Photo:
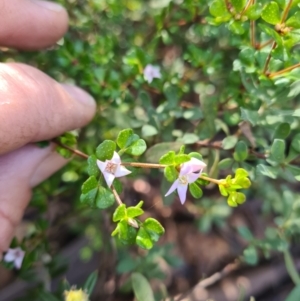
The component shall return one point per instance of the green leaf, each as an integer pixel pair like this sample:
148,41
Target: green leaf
223,190
238,4
294,21
148,130
126,233
126,138
232,200
105,150
46,296
196,155
294,170
141,288
195,190
89,184
155,152
134,212
251,116
270,13
168,158
137,148
218,8
245,233
229,142
254,11
179,159
90,283
277,153
282,131
268,171
152,224
241,173
143,239
240,198
250,255
119,213
236,27
241,151
272,33
170,173
105,198
225,163
296,143
93,169
89,197
294,294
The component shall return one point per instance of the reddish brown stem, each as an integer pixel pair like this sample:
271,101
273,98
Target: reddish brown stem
284,70
286,11
74,151
269,58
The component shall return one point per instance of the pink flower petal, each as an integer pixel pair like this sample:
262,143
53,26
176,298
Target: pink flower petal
182,190
101,165
116,158
173,187
19,260
122,171
109,178
192,177
10,255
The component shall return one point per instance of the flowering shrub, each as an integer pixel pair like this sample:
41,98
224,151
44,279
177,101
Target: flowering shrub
205,91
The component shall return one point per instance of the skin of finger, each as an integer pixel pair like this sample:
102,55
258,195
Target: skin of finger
20,170
24,24
34,107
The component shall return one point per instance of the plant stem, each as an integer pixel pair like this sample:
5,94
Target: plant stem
290,266
258,47
116,195
284,70
252,33
143,165
269,58
286,11
74,151
249,3
210,179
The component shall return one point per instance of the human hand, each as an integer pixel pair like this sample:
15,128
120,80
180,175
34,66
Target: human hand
33,107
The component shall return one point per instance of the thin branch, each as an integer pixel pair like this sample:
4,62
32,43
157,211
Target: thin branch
271,75
246,7
286,11
143,165
269,58
252,33
261,46
210,179
74,151
116,195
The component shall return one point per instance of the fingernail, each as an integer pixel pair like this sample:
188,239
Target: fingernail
80,95
49,5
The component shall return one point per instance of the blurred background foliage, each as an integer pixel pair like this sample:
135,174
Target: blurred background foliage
215,95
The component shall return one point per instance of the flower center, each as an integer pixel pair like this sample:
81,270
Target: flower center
111,167
183,180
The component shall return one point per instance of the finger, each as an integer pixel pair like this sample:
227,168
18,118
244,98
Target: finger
31,24
20,170
34,107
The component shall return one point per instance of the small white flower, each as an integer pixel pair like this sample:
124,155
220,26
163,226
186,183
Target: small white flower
112,169
16,256
189,173
151,72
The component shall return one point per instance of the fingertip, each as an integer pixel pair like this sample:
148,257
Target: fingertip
31,24
86,101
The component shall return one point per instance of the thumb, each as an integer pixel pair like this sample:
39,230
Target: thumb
34,107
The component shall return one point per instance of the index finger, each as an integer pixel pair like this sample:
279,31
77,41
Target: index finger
31,24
